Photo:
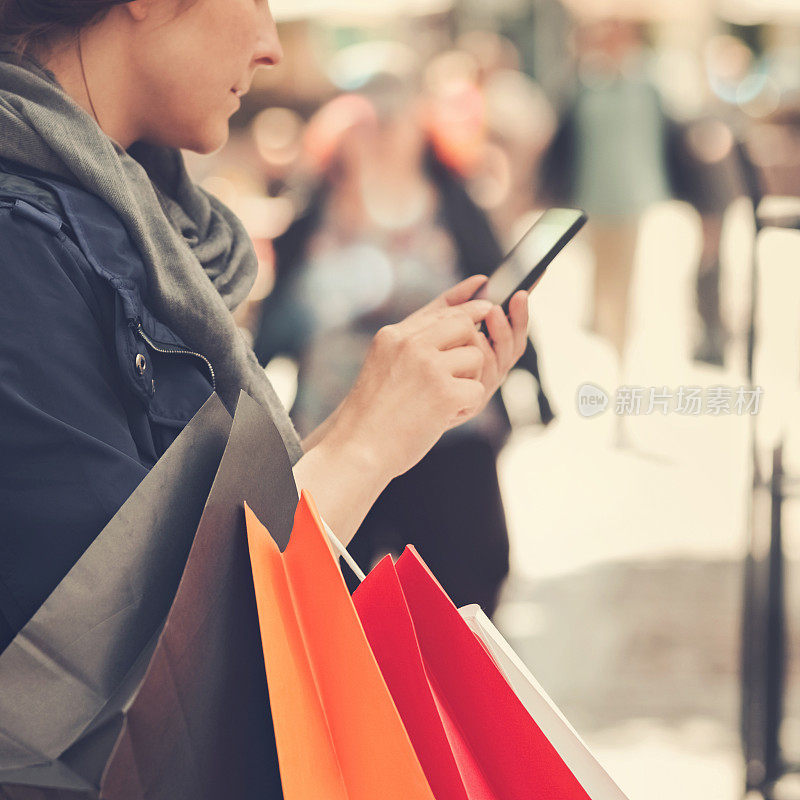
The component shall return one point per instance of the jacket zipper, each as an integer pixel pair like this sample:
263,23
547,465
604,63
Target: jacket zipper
178,351
158,348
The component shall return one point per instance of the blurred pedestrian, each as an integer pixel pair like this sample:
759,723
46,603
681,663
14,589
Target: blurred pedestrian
389,228
610,158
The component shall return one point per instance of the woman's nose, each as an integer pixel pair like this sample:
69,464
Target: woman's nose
268,50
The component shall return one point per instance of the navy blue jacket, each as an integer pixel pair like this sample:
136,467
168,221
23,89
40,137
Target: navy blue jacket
93,388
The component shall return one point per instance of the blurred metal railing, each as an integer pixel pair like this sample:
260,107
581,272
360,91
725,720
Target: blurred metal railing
764,612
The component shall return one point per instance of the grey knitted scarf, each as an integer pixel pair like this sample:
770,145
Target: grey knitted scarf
199,259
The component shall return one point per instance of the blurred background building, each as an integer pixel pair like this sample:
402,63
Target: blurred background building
654,587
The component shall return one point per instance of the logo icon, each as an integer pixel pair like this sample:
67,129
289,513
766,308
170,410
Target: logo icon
592,400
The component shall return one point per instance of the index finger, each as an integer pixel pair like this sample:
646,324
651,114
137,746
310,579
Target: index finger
460,293
476,310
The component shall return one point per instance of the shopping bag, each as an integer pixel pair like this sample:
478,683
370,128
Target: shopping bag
190,719
199,725
338,733
553,724
473,735
64,667
384,615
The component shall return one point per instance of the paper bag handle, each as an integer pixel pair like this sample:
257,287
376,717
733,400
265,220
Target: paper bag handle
341,550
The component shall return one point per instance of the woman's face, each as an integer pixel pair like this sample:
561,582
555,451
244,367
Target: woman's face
191,58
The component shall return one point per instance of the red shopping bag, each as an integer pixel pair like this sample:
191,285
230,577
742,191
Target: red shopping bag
474,738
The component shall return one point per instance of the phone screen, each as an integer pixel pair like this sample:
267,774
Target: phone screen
526,263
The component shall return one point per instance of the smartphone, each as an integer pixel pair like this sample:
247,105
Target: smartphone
526,263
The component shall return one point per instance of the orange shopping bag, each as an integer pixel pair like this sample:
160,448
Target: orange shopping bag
338,732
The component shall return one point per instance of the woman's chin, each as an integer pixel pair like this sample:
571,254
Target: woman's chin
209,140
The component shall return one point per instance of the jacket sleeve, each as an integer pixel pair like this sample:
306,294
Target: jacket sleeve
67,457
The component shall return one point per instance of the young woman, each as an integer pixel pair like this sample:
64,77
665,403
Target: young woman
117,276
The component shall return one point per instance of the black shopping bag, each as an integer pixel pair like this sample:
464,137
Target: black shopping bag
190,718
67,663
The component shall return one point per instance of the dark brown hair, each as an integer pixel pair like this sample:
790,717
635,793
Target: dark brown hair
31,22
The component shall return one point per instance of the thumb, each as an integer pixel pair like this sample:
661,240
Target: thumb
460,293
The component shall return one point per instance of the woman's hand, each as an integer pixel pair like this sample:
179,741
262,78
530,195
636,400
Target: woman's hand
422,376
431,372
